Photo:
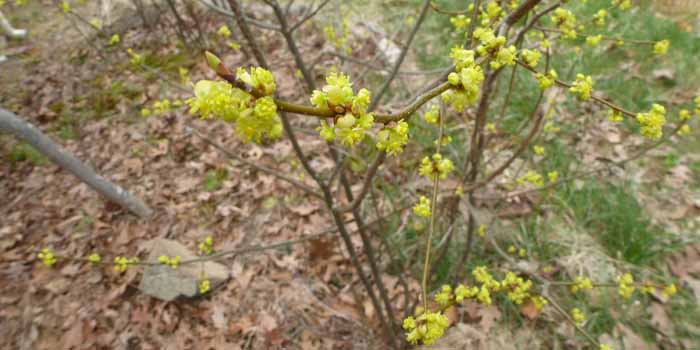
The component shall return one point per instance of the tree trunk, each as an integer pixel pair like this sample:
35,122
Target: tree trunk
26,132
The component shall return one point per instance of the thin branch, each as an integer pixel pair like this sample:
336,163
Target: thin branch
367,183
291,44
254,165
397,65
433,213
228,13
309,16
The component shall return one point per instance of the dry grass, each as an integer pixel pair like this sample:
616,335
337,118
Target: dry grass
678,7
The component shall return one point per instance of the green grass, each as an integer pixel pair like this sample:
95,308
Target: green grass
23,152
213,180
616,220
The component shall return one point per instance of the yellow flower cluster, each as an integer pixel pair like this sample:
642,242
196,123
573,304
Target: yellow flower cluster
460,22
615,116
122,263
423,207
432,116
444,297
47,257
224,31
684,115
393,137
547,80
553,176
489,42
593,40
339,41
582,86
493,13
204,286
599,17
94,258
504,57
466,80
581,283
531,177
622,4
206,246
174,262
661,47
531,57
578,316
566,21
435,167
669,291
626,285
652,122
352,120
538,301
254,118
482,230
135,59
518,287
539,150
426,328
114,40
259,78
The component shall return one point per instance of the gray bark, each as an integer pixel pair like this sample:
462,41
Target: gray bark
11,123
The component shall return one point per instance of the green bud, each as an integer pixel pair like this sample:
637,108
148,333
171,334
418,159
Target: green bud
212,60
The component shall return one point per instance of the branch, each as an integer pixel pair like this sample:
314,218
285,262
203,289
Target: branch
228,13
395,69
253,165
308,16
26,132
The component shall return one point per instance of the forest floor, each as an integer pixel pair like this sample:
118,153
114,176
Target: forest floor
86,95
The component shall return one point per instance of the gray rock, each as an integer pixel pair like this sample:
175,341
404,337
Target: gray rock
165,283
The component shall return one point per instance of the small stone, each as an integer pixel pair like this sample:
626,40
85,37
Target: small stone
165,283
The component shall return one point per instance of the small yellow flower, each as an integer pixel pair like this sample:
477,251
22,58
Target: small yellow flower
522,252
615,116
605,347
582,86
578,316
204,286
233,45
114,40
206,246
459,191
539,302
593,40
96,23
174,262
94,258
685,130
423,207
122,263
553,176
626,285
669,291
482,230
47,257
539,150
661,47
581,283
224,31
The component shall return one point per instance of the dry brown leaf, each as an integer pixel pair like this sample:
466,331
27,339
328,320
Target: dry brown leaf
529,310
